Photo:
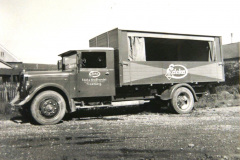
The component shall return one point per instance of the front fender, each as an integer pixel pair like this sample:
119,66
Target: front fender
41,88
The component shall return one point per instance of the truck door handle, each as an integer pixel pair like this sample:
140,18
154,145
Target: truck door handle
107,73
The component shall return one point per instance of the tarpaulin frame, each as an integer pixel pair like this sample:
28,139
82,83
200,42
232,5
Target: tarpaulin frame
167,36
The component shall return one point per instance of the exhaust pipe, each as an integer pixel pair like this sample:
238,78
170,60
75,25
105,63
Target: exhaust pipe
116,104
129,103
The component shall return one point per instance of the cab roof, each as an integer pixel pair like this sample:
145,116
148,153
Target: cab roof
91,49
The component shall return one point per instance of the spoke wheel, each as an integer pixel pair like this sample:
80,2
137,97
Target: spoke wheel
182,101
48,107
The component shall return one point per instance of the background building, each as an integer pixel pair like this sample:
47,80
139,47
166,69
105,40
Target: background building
11,66
231,59
231,51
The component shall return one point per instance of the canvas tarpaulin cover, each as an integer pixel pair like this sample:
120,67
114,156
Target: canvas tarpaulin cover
136,49
212,52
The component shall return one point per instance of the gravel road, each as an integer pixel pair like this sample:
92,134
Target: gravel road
203,134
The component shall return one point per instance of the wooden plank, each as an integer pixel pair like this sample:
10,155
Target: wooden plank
183,72
113,38
107,39
102,40
92,42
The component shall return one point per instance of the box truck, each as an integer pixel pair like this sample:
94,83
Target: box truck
125,66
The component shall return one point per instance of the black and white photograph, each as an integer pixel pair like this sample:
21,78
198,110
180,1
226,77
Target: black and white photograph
119,80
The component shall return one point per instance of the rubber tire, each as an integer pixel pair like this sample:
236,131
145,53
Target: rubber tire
34,109
174,101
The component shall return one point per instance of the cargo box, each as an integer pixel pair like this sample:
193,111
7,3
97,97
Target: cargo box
144,57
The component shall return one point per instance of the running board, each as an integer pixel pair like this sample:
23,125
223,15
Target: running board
114,104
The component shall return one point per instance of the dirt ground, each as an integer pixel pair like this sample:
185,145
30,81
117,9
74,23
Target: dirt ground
203,134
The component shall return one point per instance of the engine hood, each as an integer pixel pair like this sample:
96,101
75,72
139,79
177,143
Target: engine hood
47,73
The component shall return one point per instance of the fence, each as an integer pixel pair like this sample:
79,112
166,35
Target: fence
7,91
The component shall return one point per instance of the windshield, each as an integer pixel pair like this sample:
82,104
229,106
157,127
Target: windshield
69,62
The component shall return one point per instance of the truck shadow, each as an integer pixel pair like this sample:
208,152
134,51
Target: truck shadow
97,113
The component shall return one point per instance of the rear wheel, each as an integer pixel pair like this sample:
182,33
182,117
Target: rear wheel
182,101
48,107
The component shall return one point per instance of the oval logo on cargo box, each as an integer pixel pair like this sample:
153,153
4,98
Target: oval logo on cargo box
176,72
94,74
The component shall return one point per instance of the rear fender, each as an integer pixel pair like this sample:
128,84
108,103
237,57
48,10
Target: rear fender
168,94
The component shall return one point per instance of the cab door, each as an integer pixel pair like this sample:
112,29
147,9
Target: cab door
96,77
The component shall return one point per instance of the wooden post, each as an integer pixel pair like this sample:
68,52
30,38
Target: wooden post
11,79
5,94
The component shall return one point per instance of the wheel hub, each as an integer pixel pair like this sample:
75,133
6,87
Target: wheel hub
183,101
49,108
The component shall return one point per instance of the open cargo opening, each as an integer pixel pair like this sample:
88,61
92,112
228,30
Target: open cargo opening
164,49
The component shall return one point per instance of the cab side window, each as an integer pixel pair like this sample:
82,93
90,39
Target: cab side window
94,60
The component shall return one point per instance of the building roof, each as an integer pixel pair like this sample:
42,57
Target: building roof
7,56
5,65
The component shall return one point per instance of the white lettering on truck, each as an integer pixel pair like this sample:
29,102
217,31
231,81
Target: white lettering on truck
94,74
176,72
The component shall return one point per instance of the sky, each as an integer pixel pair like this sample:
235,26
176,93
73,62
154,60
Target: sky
37,31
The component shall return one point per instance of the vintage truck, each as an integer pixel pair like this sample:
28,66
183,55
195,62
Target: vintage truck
125,65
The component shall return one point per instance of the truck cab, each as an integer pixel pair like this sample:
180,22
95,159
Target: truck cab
83,74
94,74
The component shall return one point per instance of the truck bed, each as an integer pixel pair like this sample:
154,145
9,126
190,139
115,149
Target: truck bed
162,58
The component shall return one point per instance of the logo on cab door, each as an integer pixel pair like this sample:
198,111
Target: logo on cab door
176,72
94,74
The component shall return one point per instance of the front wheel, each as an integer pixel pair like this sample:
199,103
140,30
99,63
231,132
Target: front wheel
48,107
182,101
